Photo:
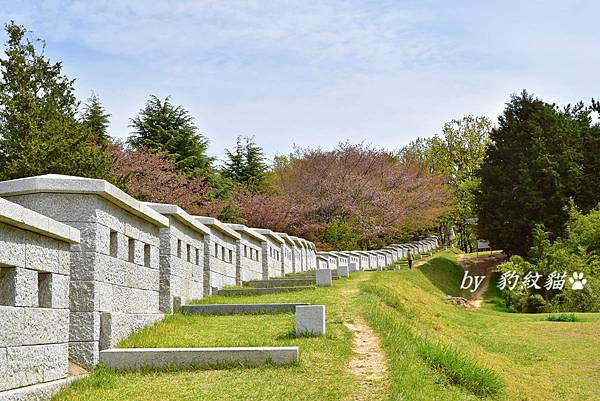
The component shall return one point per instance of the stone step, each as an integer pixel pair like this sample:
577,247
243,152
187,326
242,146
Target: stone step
239,309
310,274
282,282
260,291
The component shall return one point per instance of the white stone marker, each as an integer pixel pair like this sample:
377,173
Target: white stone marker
343,271
353,266
310,319
323,277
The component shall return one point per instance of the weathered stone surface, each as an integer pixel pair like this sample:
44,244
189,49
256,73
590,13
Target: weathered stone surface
157,358
310,320
26,287
34,364
116,326
55,293
343,271
85,353
12,243
45,326
83,296
257,291
36,392
323,277
84,326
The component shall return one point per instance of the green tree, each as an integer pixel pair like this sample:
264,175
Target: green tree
457,155
170,129
234,165
255,164
530,170
245,165
39,131
96,118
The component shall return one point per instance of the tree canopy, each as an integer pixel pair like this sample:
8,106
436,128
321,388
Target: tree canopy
39,129
164,127
96,118
245,165
536,162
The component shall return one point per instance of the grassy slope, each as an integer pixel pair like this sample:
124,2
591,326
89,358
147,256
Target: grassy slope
536,359
436,351
321,374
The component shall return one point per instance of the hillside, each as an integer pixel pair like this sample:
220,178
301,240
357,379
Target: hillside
435,350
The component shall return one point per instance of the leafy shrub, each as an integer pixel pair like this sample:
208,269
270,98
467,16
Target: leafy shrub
563,317
577,251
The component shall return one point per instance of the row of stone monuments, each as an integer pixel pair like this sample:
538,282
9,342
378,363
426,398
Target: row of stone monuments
83,264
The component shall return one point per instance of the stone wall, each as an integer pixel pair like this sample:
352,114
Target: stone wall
34,297
82,265
221,248
271,254
114,286
181,257
249,261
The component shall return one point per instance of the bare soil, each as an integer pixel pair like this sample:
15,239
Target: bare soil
369,364
483,265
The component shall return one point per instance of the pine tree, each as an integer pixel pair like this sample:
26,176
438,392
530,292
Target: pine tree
255,167
170,129
531,169
245,165
235,164
96,118
39,131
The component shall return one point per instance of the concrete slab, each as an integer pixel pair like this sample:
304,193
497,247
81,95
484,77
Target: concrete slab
310,320
323,277
235,309
128,359
259,291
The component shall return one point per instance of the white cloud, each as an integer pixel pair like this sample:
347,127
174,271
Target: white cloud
319,72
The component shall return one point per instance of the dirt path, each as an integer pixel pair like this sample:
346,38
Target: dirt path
480,266
369,364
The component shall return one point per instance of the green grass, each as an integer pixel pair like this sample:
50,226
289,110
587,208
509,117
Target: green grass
439,351
435,350
563,317
322,373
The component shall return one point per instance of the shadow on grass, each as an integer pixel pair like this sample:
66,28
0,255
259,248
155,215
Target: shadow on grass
493,296
445,274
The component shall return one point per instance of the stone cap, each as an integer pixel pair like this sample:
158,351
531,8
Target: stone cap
297,240
287,239
269,233
26,219
213,223
66,184
338,254
180,215
305,243
240,228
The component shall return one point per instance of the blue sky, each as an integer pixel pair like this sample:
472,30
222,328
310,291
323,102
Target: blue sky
314,73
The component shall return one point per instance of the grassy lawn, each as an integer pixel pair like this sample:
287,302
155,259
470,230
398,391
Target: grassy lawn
321,374
443,352
435,350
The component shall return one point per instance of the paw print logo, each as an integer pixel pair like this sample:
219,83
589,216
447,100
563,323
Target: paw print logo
577,281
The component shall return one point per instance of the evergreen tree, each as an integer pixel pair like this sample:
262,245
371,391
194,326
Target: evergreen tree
245,165
531,169
39,131
170,129
235,164
255,164
96,118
